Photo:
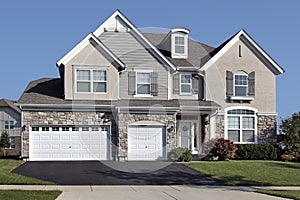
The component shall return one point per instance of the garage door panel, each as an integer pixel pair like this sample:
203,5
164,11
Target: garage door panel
69,145
146,143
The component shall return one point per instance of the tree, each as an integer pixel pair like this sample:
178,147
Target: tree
290,134
4,141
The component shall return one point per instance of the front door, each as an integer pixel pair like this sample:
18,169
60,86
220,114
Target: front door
186,135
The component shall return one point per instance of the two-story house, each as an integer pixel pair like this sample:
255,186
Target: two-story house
122,92
10,122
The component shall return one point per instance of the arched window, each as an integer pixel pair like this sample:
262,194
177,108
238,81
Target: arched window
241,125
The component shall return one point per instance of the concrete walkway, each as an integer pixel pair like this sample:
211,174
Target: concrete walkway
153,192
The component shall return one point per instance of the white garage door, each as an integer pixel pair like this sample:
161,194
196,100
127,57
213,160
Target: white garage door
146,143
69,143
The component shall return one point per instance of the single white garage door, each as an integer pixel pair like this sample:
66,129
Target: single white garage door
69,143
146,143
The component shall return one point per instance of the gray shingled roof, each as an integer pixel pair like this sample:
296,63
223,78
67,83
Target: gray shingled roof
9,103
50,91
196,51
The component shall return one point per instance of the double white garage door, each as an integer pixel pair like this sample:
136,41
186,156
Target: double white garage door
69,143
93,143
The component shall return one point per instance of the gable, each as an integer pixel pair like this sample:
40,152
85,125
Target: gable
117,22
251,44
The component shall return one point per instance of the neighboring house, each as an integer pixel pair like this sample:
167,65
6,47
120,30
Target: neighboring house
10,121
139,95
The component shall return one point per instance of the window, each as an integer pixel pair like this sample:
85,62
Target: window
12,143
179,44
185,83
8,125
143,83
55,128
85,128
91,81
240,85
75,128
65,128
45,128
95,129
241,125
35,128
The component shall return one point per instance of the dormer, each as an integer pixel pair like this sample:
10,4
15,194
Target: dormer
179,43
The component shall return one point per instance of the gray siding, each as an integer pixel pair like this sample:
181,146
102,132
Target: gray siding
136,57
9,114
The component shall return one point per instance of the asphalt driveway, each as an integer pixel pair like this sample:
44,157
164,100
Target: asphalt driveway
113,173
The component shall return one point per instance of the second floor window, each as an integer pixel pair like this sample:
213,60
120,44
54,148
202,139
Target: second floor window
185,83
91,81
143,83
9,125
240,85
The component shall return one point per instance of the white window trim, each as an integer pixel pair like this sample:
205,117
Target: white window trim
191,84
255,123
179,55
136,83
91,81
241,97
9,124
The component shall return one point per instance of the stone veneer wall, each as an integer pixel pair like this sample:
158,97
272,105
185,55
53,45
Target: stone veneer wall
66,118
220,126
124,120
267,128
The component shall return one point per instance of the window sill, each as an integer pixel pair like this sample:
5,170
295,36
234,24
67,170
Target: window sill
242,98
144,95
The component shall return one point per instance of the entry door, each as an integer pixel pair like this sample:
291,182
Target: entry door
186,135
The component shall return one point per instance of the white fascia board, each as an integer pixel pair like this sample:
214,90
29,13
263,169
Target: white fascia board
108,51
231,43
82,44
54,107
100,30
277,67
220,53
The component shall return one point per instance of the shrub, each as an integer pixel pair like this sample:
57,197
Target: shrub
287,157
219,149
180,154
257,152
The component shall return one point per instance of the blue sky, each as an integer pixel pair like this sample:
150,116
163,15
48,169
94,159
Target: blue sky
35,34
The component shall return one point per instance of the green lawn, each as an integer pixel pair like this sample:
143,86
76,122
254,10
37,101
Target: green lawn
29,194
247,173
8,178
291,194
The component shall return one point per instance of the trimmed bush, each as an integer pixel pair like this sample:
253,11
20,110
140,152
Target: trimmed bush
180,154
257,152
224,149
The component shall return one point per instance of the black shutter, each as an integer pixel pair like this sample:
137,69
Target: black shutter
201,88
229,83
195,85
176,83
154,89
251,84
131,83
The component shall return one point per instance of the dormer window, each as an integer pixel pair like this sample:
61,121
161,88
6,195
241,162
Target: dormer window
179,43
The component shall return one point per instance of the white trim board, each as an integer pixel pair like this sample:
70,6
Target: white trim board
242,35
